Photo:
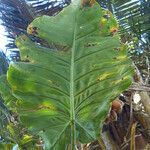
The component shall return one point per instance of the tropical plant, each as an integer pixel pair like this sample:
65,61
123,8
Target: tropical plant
65,90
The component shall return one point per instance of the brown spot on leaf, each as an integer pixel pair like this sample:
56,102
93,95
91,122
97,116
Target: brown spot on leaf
113,30
106,16
90,44
114,58
88,3
92,2
32,30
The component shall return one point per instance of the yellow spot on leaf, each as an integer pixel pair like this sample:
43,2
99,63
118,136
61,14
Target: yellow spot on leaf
18,43
49,81
103,21
14,87
119,80
29,29
122,57
48,106
116,82
32,30
104,76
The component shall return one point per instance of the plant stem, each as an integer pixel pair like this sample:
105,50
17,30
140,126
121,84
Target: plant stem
133,131
73,136
101,143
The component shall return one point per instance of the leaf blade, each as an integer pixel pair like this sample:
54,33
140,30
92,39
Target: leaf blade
66,95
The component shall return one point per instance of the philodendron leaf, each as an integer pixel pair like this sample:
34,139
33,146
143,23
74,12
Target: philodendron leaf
66,90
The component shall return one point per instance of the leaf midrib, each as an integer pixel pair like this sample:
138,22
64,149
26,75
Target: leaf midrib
72,107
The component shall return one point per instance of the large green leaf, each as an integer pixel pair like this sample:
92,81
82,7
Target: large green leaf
66,89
